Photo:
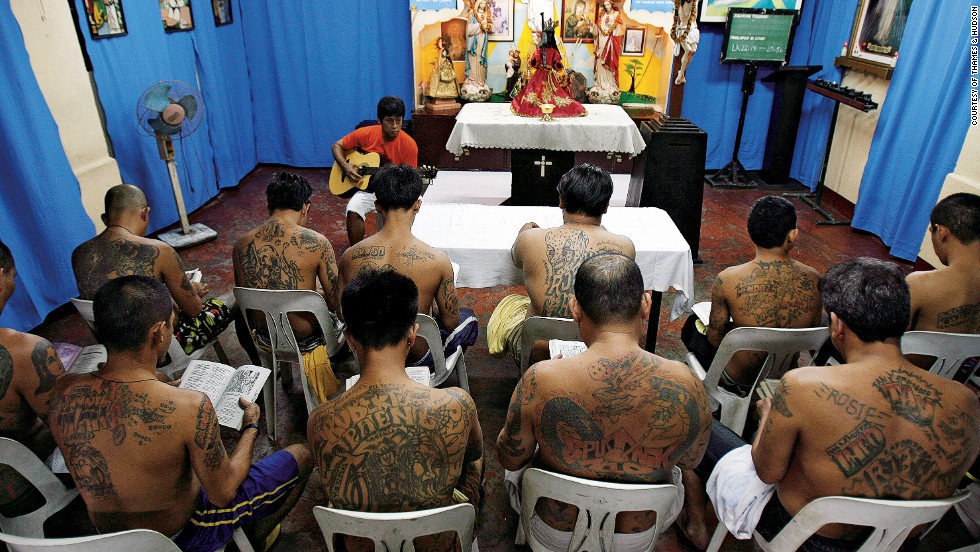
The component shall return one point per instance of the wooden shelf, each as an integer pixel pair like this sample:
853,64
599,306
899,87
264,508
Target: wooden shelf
880,71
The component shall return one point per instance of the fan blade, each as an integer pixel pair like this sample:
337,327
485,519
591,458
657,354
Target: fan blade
189,103
156,98
163,128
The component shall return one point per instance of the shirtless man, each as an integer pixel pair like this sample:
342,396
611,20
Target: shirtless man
770,291
549,258
282,253
386,139
146,454
29,368
398,188
372,443
121,250
614,412
948,299
875,427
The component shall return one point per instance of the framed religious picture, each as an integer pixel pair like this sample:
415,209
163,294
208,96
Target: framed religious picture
222,12
878,29
105,18
502,12
454,38
716,11
176,15
633,41
577,20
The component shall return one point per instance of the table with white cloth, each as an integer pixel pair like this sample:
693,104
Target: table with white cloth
542,151
479,239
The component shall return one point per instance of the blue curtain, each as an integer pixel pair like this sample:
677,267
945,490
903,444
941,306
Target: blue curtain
927,111
713,94
221,151
319,68
41,214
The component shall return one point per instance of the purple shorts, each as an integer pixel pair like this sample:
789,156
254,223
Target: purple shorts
261,494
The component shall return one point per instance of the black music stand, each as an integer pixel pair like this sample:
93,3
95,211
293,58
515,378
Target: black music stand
728,176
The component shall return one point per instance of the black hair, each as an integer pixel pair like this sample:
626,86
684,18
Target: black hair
770,221
288,191
961,214
586,189
380,306
126,308
6,258
123,198
870,295
391,106
609,288
397,187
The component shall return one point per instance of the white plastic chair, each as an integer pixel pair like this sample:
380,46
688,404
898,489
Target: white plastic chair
143,540
544,328
444,366
276,306
30,467
178,358
598,503
892,521
396,531
950,349
781,345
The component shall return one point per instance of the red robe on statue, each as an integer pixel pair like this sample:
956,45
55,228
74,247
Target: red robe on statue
548,84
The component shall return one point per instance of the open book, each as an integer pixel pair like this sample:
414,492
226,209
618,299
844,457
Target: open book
194,276
80,360
418,374
767,388
223,385
564,349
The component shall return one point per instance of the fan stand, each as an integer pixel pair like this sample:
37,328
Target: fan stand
188,234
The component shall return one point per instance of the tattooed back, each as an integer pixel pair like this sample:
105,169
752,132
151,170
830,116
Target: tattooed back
29,368
615,415
550,257
946,300
871,429
126,446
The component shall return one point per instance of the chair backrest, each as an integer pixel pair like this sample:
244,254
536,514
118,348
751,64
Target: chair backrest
143,540
950,349
429,331
892,520
545,327
178,358
396,531
598,503
781,346
30,467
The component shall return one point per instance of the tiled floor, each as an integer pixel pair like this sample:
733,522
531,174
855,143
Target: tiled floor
234,211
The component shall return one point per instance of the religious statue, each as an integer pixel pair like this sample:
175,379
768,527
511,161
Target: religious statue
609,31
548,84
443,87
685,34
512,70
478,28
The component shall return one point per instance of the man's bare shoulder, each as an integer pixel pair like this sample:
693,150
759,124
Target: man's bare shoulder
415,253
19,342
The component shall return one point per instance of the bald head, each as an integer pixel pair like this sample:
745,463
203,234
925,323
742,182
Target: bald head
122,200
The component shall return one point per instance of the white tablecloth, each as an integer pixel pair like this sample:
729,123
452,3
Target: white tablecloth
492,125
479,238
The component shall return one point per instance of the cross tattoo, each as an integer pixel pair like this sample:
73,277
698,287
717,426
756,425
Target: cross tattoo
542,164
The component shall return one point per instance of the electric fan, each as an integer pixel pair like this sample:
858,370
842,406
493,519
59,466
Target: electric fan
171,110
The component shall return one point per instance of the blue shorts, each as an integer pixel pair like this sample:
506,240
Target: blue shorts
261,494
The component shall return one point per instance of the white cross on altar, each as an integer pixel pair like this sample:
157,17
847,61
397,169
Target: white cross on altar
542,164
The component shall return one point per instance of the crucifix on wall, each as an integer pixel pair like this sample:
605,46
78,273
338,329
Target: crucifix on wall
542,163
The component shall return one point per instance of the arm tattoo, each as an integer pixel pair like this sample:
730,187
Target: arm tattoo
207,437
513,445
448,291
6,370
46,365
779,399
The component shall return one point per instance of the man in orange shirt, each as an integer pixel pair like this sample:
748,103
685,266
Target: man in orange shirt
385,139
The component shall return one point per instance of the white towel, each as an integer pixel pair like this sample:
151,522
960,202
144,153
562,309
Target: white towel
737,493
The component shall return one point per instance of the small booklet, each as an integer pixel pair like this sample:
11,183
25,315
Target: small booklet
767,388
223,385
418,374
565,348
194,276
703,311
80,360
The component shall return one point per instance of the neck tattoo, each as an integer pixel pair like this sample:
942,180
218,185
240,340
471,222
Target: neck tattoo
107,380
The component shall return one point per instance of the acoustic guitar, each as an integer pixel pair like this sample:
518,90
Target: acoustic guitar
367,165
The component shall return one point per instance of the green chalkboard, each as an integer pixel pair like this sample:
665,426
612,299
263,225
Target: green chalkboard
758,35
